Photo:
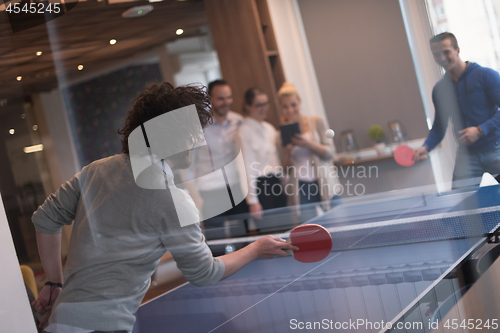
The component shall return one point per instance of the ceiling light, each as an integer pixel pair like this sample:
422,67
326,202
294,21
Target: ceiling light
137,11
19,78
155,0
80,67
23,116
35,127
39,53
179,31
11,131
32,149
112,41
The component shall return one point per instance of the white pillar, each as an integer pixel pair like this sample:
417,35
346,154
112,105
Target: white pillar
57,121
15,311
60,144
419,32
295,55
169,65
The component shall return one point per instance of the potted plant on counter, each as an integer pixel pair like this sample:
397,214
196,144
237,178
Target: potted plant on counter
376,133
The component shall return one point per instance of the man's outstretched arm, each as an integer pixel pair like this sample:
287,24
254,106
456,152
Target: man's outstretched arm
266,247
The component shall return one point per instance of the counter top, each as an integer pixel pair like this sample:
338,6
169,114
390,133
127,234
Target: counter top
369,155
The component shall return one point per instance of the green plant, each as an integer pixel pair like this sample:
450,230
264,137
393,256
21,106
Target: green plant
376,133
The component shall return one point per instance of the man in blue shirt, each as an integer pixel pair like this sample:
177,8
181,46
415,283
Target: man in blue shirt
469,95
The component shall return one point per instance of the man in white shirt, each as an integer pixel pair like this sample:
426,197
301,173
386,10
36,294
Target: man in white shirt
206,191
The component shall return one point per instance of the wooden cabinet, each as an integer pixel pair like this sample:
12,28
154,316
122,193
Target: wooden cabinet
244,38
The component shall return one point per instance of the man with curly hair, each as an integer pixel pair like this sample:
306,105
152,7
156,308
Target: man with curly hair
121,231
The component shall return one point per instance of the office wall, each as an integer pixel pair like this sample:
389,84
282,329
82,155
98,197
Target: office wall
97,109
364,66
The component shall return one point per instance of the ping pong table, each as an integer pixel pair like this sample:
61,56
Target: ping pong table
397,258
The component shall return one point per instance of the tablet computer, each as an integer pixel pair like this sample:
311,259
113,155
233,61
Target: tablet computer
288,131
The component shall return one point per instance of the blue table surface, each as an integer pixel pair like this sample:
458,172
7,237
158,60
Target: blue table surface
372,273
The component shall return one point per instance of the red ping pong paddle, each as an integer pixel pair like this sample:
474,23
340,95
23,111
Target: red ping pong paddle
314,242
403,155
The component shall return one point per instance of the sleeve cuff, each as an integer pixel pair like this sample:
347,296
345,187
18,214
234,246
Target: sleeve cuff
484,129
43,230
252,200
428,146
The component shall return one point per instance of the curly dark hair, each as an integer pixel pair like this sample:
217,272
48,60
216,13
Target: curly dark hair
157,99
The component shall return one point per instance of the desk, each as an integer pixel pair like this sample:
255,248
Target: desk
395,259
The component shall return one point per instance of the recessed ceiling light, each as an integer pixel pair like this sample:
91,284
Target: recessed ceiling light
23,116
39,53
179,31
11,131
112,41
19,78
137,11
80,67
35,127
32,149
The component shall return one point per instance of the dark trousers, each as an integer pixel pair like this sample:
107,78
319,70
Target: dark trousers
271,195
309,193
270,192
214,227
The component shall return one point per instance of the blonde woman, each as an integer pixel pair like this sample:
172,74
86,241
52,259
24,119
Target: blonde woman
308,158
257,139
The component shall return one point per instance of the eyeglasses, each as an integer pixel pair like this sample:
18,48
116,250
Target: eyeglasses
261,105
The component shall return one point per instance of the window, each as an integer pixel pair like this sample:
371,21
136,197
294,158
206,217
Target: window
475,23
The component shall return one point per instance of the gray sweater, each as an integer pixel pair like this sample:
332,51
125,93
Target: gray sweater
120,232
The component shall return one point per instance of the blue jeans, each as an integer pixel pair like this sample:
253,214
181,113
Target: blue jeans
470,166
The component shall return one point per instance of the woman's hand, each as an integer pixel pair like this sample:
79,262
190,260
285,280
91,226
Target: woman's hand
301,141
317,148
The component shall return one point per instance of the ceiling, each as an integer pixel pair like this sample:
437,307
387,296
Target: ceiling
81,37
